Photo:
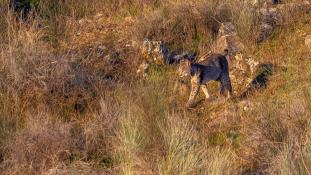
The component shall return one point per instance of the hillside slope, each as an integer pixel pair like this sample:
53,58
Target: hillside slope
72,103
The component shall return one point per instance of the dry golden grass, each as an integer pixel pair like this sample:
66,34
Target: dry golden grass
186,153
193,25
70,103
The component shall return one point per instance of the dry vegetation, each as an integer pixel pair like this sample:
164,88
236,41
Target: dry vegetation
70,102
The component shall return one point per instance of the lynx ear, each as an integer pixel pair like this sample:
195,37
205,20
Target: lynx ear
226,52
192,57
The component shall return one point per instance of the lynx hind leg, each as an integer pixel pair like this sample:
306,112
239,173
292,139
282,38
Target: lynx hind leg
230,93
226,87
226,91
205,91
195,87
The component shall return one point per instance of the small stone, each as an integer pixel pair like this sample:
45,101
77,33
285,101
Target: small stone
129,19
98,15
102,48
245,108
308,41
81,21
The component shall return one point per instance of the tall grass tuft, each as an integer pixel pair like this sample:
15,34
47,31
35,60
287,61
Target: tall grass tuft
186,153
130,142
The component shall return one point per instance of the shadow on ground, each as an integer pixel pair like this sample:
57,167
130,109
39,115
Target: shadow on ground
260,81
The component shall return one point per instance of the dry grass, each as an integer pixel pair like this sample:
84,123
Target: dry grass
38,147
131,143
70,104
194,23
46,144
292,159
185,152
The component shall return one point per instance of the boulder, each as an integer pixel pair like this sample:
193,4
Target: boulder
241,66
271,17
227,38
270,20
151,51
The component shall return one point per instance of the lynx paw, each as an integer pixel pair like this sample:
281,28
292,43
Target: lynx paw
190,104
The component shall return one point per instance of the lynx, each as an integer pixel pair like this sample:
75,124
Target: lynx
215,67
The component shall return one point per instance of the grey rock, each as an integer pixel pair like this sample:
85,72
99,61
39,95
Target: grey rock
241,66
271,18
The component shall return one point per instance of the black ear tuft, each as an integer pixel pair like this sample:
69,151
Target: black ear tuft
192,57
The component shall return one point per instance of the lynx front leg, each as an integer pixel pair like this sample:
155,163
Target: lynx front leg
195,87
205,91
